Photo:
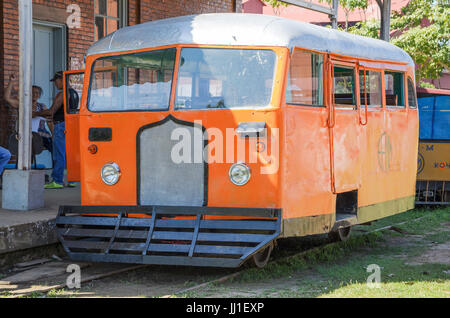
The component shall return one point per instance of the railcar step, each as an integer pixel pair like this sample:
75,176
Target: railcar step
345,220
164,239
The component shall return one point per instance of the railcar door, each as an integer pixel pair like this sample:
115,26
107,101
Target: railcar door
345,124
72,87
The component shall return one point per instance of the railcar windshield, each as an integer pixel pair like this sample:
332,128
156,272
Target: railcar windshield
224,78
132,82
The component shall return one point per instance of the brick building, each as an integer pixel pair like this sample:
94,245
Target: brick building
64,29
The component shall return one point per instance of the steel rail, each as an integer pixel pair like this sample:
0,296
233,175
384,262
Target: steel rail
205,284
238,273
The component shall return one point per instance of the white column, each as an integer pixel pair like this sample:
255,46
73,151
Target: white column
25,83
23,189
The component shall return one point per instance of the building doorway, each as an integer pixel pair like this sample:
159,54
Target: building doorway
49,56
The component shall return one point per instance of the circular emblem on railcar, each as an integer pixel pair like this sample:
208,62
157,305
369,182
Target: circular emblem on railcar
384,152
420,163
260,146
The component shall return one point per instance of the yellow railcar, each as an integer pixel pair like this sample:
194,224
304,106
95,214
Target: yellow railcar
433,171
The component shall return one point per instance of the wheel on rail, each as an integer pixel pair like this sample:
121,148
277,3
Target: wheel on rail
341,234
261,258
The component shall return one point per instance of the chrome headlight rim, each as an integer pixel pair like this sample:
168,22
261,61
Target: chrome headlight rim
240,165
116,173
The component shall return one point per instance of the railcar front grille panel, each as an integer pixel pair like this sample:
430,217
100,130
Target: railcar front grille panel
171,169
166,237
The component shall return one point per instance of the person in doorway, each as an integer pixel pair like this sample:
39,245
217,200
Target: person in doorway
56,112
37,122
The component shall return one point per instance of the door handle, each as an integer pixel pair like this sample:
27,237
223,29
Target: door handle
251,129
331,114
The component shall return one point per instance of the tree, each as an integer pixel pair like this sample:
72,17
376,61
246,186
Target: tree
275,3
369,28
422,29
349,6
385,14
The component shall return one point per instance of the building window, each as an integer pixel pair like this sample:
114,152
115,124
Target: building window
305,82
393,90
109,16
373,88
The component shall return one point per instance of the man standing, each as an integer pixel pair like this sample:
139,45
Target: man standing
56,111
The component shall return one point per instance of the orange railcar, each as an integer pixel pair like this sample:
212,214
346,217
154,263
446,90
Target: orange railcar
200,140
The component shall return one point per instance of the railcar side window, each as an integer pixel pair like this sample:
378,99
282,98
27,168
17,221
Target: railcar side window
305,80
393,89
224,78
373,88
344,85
132,82
412,100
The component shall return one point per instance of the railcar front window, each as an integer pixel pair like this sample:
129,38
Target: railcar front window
135,82
224,78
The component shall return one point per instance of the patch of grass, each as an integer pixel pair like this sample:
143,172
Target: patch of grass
411,289
56,292
5,294
440,237
391,269
341,269
327,253
34,294
430,218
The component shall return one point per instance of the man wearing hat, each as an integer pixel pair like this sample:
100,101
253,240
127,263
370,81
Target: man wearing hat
56,111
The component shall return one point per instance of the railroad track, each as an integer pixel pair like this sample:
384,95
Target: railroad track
283,259
27,281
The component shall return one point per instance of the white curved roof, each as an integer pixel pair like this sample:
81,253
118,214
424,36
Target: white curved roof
246,29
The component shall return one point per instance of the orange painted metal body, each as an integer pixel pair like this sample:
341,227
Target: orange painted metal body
322,150
73,133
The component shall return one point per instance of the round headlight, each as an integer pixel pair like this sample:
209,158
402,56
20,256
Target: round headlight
110,173
239,173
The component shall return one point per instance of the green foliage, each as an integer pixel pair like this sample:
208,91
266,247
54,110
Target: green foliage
369,28
275,3
426,85
349,6
422,29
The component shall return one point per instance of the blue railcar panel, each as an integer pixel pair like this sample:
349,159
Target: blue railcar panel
426,110
434,117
